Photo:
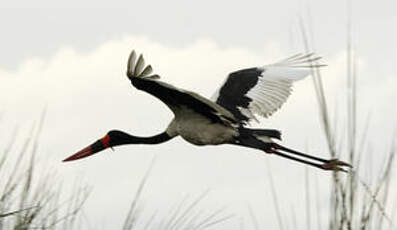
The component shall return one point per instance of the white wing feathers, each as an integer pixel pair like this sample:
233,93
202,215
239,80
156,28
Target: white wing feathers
293,68
265,89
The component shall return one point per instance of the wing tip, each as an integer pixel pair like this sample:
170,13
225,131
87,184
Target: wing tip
301,60
136,67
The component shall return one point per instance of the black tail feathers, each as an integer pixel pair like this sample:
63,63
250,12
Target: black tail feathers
272,133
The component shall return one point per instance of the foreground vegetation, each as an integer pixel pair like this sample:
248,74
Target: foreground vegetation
355,203
31,198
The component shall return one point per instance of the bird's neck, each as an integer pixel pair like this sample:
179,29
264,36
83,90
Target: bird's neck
130,139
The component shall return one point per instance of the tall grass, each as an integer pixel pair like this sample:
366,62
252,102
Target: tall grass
355,203
30,197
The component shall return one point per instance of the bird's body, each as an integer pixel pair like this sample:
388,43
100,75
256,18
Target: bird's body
198,130
222,119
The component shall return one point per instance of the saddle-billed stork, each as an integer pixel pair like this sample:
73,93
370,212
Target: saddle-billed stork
223,118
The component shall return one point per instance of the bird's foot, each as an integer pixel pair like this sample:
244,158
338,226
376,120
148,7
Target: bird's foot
336,165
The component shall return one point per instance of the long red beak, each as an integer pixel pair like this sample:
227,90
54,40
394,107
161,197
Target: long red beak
81,154
97,146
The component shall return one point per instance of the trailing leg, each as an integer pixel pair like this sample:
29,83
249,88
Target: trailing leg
332,164
274,148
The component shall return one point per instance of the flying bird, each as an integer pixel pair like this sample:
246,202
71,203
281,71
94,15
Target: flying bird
223,118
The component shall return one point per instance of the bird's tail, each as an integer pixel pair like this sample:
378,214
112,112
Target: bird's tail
136,68
272,133
262,134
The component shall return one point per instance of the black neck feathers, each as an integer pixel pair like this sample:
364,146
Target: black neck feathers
121,138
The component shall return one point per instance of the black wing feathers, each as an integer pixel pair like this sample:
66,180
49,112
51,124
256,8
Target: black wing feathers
176,98
232,93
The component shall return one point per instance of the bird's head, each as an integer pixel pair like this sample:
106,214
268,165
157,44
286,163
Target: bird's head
112,138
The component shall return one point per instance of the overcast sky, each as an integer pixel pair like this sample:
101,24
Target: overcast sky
72,58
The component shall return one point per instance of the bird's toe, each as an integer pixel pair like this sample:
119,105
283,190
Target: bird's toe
336,165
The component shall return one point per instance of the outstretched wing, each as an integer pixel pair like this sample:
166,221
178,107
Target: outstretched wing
176,99
262,90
